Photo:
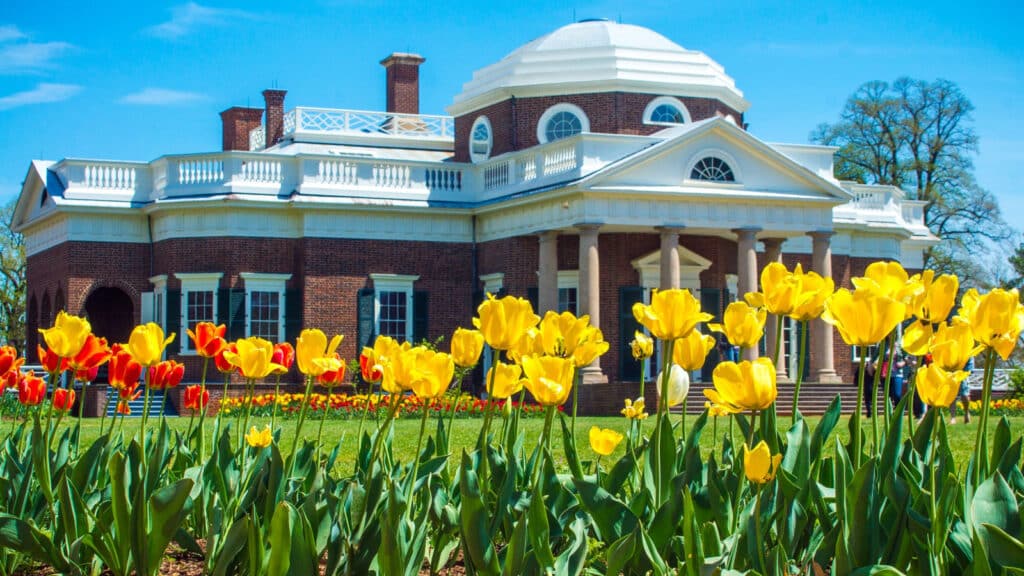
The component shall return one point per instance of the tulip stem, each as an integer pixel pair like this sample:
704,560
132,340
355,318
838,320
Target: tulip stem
757,528
597,471
202,414
874,403
273,409
576,379
362,418
220,409
416,458
778,338
855,430
49,411
323,418
802,355
302,418
250,388
543,444
663,418
460,373
81,410
887,413
980,445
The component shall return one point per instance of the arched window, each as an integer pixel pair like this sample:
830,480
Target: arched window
561,121
712,169
480,139
666,110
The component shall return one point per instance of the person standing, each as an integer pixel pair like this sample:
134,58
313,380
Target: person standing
898,378
963,396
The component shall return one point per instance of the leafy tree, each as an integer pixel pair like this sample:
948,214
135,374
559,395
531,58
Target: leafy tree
917,135
12,282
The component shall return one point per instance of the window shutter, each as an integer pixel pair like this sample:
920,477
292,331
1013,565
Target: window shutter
365,326
629,368
292,315
533,295
236,314
224,307
711,301
420,310
173,307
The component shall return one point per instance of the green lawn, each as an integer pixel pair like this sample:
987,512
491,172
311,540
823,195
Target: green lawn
464,433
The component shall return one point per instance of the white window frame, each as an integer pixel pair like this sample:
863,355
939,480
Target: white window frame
670,101
195,282
542,124
394,283
721,155
265,282
476,156
855,350
157,310
569,279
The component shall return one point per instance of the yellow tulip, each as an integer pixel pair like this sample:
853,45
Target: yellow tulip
253,358
635,409
742,324
398,370
549,379
506,380
778,290
936,298
529,344
431,373
812,291
259,438
953,345
917,338
938,387
312,344
691,352
466,347
863,317
888,278
503,322
759,464
146,343
744,386
641,346
996,318
561,333
671,314
590,347
714,410
604,441
67,336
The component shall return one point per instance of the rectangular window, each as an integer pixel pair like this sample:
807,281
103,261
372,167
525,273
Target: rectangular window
265,315
567,300
198,308
394,314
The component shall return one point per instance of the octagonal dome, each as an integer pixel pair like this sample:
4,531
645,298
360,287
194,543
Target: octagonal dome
599,56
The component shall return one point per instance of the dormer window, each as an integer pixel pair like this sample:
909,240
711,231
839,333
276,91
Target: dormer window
666,110
712,169
480,139
561,121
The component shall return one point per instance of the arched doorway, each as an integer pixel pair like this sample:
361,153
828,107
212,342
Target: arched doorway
111,313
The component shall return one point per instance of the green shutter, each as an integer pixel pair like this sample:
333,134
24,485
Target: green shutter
711,301
420,311
629,368
292,315
224,306
172,307
236,317
365,326
533,295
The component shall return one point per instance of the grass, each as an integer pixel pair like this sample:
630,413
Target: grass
464,434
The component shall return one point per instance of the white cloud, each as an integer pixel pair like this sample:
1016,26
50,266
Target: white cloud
160,97
10,32
42,93
187,17
30,56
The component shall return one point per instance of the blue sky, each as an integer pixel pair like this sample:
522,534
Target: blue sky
135,80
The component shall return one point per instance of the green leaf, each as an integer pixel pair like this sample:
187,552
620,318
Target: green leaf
572,457
474,521
572,559
167,510
19,535
538,531
612,518
995,504
281,541
824,428
876,570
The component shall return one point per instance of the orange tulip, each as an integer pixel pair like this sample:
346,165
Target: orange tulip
284,355
123,371
31,389
87,375
94,353
166,374
50,361
196,398
9,361
208,339
334,373
369,368
123,408
222,363
63,399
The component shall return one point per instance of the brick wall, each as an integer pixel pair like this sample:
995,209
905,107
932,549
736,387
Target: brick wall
236,123
402,88
514,121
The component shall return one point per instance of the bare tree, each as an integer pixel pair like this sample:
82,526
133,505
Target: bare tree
917,135
12,282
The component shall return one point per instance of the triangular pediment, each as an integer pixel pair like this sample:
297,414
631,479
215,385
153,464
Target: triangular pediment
757,169
36,197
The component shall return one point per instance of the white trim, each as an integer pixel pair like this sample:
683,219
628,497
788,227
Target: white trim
691,265
195,282
721,155
671,101
493,283
732,282
474,156
394,283
265,282
542,124
158,310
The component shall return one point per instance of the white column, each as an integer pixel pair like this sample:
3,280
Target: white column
773,253
547,286
669,257
746,271
589,292
821,334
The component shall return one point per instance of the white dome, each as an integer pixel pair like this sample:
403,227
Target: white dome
599,56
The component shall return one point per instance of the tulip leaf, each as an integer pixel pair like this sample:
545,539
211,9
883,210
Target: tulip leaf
474,522
16,534
280,536
1004,549
572,457
995,504
572,559
612,518
797,457
620,552
876,570
1010,461
538,530
824,428
167,510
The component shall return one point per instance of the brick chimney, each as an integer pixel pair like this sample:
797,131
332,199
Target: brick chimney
403,82
236,123
274,100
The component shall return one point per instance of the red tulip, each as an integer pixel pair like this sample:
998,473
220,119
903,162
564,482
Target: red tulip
87,375
50,361
124,372
284,355
124,408
222,363
63,399
166,374
208,339
9,361
31,389
196,398
93,354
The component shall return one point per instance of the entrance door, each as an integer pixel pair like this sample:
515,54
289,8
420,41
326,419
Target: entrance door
111,313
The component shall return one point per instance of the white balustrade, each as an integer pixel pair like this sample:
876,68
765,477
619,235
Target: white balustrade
560,159
203,170
109,176
337,172
391,175
443,179
323,121
260,171
257,138
496,175
871,200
